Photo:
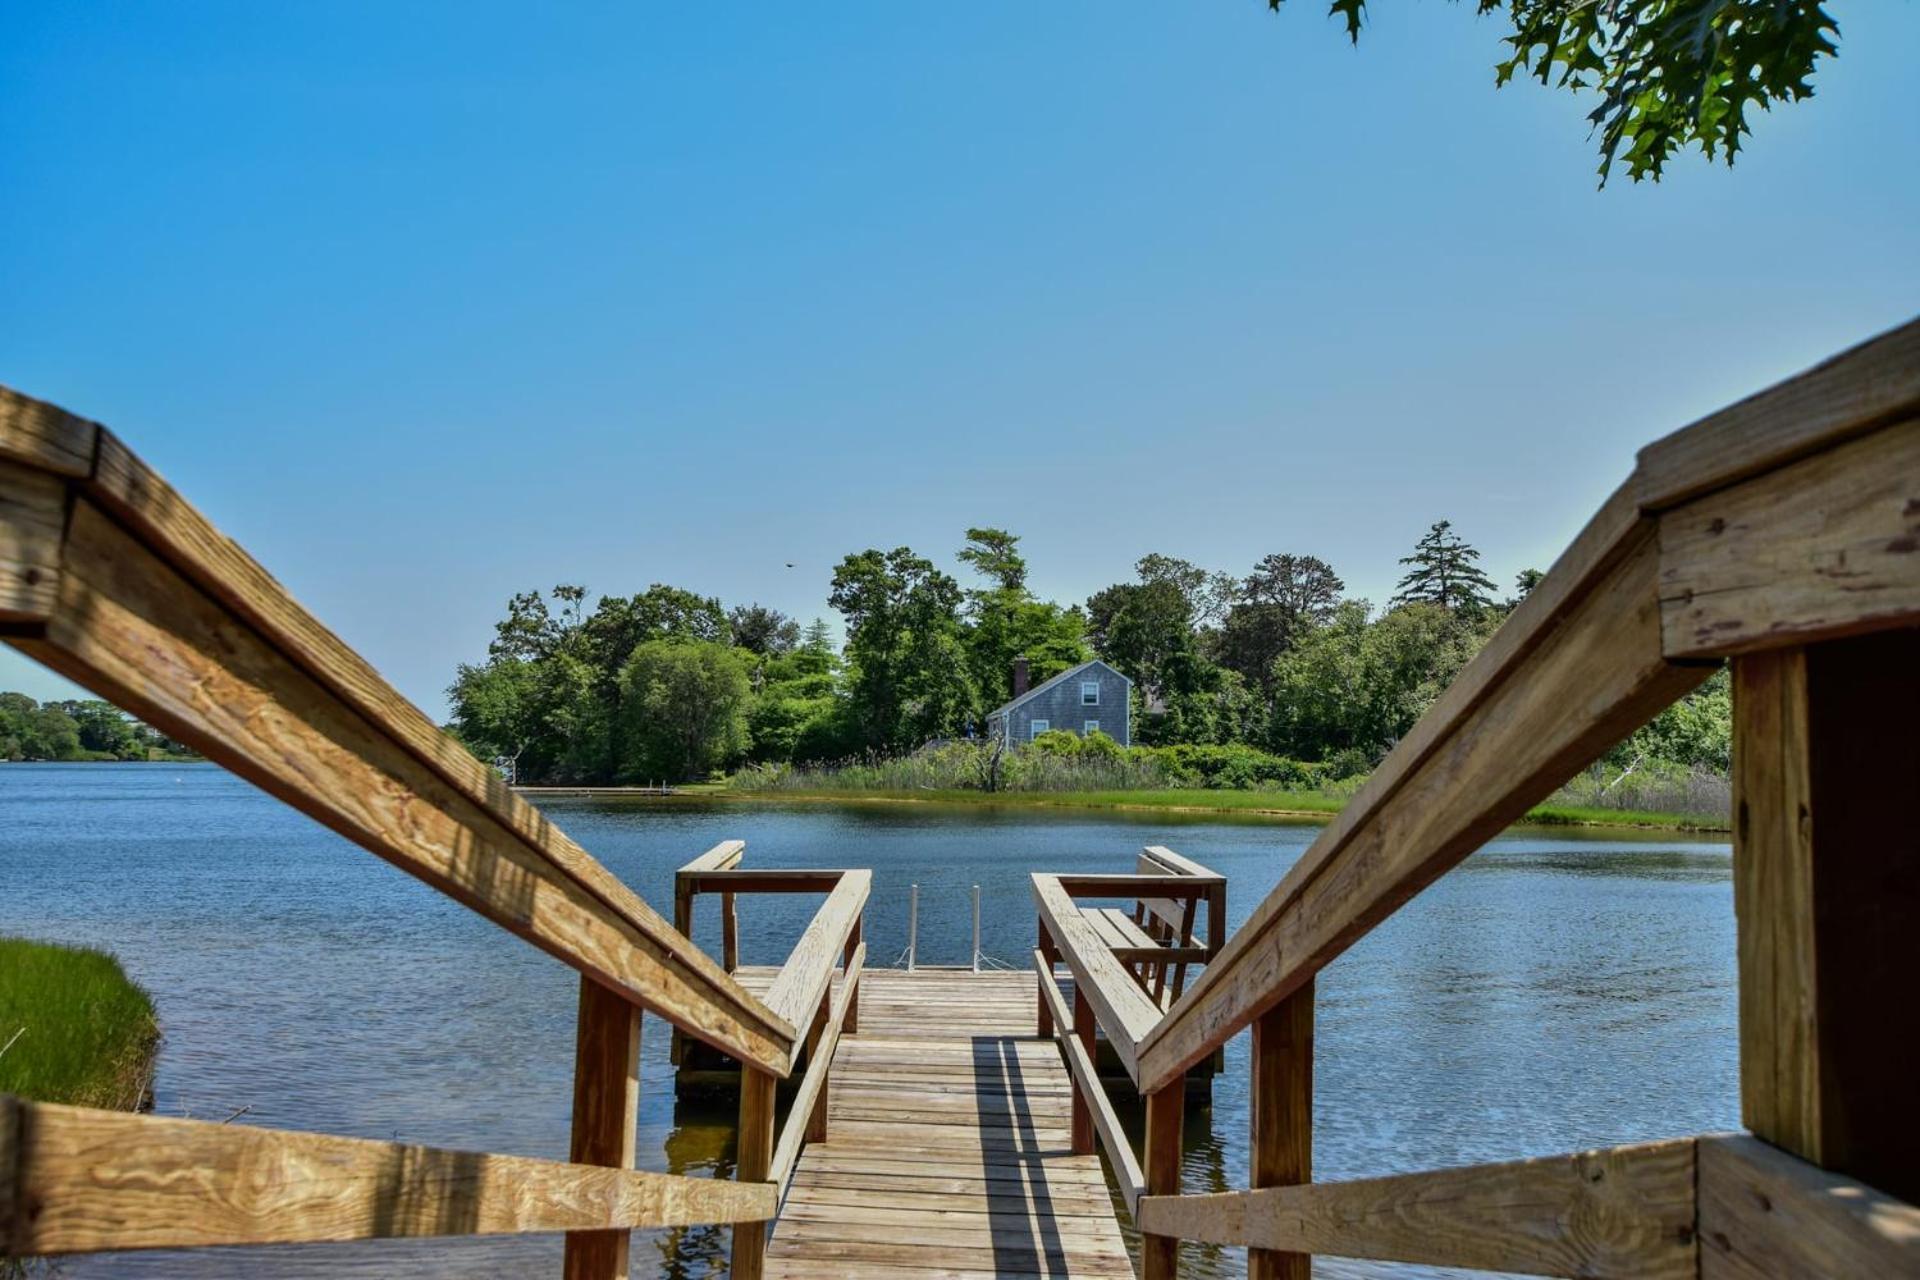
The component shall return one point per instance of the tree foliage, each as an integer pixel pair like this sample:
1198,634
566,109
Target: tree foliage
1443,572
1669,74
77,729
685,703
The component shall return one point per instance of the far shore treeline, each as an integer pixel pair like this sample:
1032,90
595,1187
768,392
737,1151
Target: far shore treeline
1272,678
79,729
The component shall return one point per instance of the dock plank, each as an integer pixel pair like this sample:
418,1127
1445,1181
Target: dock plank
949,1151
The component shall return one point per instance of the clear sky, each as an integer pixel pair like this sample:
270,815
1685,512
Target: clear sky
430,304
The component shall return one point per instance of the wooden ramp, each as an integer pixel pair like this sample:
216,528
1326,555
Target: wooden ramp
948,1151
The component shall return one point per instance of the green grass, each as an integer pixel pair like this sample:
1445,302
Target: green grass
81,1031
1273,803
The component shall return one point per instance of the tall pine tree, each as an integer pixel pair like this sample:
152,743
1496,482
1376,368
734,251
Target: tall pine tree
1443,573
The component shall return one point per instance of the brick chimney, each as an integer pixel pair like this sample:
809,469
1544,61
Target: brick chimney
1019,675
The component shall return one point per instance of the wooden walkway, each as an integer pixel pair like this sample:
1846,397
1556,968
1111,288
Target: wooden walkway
948,1151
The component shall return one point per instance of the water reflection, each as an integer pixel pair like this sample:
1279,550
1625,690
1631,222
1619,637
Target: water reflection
1561,989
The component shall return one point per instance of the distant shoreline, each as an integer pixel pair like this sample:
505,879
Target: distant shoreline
1280,806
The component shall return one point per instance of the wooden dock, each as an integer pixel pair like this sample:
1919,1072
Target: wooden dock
949,1149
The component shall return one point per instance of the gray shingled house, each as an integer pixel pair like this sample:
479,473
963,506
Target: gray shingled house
1082,699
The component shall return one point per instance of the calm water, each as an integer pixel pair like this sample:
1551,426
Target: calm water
1553,992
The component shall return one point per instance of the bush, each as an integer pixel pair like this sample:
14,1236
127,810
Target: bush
1235,768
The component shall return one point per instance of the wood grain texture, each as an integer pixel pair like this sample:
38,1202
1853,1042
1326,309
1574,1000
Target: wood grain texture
606,1113
1773,900
1280,1153
170,527
803,979
1826,547
1765,1215
1852,393
1586,681
1088,1089
1125,1012
33,518
753,1163
1826,891
949,1148
1160,1247
1618,1212
92,1180
130,628
812,1098
45,436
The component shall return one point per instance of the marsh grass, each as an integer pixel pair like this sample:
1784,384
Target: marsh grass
81,1031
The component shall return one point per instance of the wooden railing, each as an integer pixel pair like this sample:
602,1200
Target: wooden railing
1782,534
111,578
802,993
1120,975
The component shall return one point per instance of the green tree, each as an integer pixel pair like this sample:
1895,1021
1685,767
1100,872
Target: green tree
686,708
105,729
1359,684
1281,600
1005,621
1669,73
1443,572
797,713
762,630
908,677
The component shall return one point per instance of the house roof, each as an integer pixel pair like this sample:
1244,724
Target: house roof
1044,685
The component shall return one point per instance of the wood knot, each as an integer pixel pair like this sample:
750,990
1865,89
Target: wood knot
1717,525
31,577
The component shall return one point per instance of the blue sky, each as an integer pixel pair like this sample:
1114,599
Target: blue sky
430,304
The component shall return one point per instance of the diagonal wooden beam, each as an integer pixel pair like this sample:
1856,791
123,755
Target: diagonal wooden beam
1625,1212
88,1180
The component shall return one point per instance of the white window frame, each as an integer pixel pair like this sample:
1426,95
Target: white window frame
1092,726
1089,687
1037,727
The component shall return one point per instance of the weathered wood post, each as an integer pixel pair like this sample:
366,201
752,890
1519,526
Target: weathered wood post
729,933
817,1118
1045,947
606,1105
1166,1109
1282,1145
754,1162
1827,893
851,1025
1083,1030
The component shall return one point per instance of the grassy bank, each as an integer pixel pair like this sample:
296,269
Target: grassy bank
1277,804
73,1026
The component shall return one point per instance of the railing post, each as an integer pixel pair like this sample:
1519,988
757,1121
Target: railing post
1046,949
753,1165
976,928
913,924
1282,1141
852,1024
606,1103
683,923
817,1118
1826,895
1083,1031
1166,1109
729,933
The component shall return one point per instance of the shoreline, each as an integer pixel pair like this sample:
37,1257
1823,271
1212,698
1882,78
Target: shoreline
1235,803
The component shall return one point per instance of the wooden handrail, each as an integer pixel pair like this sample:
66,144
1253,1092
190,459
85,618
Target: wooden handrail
813,1082
1720,1204
1086,1081
108,576
1124,1011
1607,639
81,1180
803,980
